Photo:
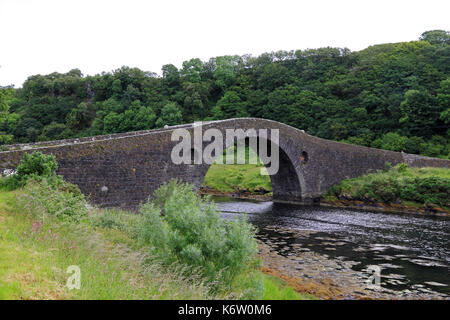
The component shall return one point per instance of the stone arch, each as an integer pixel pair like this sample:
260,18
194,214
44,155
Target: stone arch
287,183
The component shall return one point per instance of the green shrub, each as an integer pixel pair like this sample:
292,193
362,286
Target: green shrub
38,164
33,166
402,167
191,231
384,189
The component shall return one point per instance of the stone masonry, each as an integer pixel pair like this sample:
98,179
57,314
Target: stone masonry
122,170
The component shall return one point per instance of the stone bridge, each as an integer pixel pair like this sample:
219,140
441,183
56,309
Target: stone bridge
122,170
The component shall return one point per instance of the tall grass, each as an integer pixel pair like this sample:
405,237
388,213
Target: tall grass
188,252
110,268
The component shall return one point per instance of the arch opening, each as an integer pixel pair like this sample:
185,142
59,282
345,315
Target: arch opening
246,178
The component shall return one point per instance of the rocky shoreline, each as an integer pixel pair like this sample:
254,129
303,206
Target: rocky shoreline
263,195
338,203
429,210
326,278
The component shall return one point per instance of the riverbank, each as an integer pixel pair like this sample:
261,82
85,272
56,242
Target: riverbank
339,204
398,208
37,250
177,247
237,194
399,189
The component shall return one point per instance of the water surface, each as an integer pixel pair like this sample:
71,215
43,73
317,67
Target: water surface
411,250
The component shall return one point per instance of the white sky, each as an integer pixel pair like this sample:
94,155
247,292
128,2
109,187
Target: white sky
43,36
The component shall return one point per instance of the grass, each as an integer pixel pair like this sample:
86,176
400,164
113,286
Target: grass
37,249
278,289
413,187
33,265
235,177
24,270
231,178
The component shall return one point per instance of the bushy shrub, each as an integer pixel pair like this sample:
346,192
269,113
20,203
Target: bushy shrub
183,227
38,164
33,166
402,167
384,189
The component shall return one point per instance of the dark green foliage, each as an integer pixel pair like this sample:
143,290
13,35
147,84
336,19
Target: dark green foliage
430,190
35,166
390,96
170,115
37,163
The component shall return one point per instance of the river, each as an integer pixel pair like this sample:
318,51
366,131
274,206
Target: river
408,254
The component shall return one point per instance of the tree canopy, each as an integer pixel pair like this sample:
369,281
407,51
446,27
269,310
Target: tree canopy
394,96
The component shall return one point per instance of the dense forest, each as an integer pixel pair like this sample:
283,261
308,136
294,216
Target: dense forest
390,96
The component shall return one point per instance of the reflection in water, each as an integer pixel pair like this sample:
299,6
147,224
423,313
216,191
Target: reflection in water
412,250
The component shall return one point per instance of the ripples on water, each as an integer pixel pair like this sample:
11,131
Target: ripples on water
412,250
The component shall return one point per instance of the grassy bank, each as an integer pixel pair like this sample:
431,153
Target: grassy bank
177,247
399,187
233,178
37,249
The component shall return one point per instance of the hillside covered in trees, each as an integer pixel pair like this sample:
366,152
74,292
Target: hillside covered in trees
390,96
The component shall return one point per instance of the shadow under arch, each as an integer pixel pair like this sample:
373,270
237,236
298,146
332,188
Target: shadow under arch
286,184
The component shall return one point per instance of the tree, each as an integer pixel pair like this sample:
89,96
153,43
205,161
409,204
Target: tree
53,131
171,78
144,119
196,100
418,111
137,117
191,70
225,74
230,106
436,37
7,120
78,118
443,99
111,123
170,115
391,141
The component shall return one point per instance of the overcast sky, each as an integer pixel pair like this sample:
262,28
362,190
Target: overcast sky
43,36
